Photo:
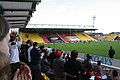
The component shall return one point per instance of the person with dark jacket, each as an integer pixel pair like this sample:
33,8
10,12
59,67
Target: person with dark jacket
51,58
111,52
73,68
45,68
67,57
26,50
35,62
22,52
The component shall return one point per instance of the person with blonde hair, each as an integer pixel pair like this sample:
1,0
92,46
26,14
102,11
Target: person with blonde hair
4,66
4,35
4,52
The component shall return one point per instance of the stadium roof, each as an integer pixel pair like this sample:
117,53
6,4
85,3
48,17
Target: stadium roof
18,12
53,30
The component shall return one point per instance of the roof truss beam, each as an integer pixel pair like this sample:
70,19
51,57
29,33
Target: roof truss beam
17,15
17,23
17,20
23,0
19,10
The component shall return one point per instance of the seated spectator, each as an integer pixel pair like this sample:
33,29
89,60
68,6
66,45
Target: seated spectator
63,55
115,75
67,57
88,67
49,49
98,71
51,58
46,69
74,68
58,66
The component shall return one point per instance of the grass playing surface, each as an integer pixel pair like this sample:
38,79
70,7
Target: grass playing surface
95,48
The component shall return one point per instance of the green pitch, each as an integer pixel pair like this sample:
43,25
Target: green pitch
95,48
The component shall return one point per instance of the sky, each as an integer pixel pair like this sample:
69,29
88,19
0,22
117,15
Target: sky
79,12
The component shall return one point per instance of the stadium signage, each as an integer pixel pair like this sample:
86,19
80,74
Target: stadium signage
107,61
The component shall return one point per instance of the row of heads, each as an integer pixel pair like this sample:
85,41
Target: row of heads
58,53
74,53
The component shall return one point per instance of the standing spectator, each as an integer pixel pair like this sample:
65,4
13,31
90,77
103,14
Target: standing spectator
35,62
29,50
26,50
74,68
22,52
111,52
58,66
14,54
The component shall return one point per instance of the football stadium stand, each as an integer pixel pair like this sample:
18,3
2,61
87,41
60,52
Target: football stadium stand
55,35
46,40
24,36
33,36
110,37
91,38
55,39
58,37
45,35
64,37
73,38
81,37
117,38
84,37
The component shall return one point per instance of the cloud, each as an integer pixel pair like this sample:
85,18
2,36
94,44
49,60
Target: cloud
48,0
79,12
62,9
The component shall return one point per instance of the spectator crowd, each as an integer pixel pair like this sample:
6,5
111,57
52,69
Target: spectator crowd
30,61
